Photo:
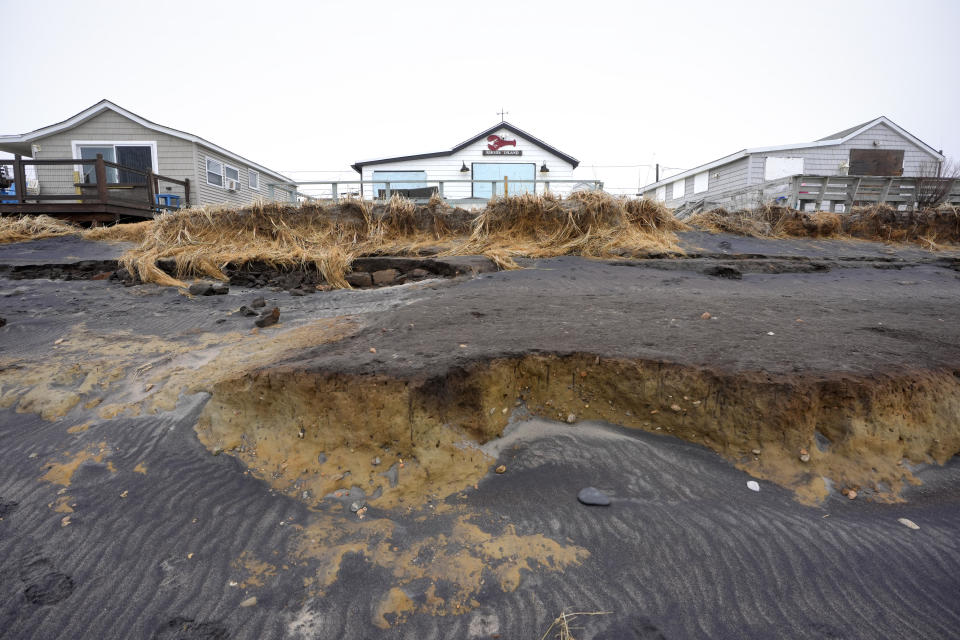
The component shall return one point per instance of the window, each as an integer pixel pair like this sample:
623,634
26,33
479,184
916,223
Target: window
214,172
701,182
136,157
661,193
254,180
231,173
678,188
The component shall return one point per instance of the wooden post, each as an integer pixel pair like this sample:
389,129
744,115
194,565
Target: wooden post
440,188
493,189
101,172
851,195
823,191
795,192
152,189
506,186
186,191
546,187
333,191
19,178
386,191
886,191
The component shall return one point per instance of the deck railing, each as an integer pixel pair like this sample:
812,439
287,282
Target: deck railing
849,191
61,186
455,190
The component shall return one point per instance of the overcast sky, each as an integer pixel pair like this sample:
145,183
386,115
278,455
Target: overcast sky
314,86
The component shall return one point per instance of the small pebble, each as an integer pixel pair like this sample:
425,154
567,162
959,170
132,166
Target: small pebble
910,524
571,418
249,602
851,494
755,452
501,469
753,485
593,497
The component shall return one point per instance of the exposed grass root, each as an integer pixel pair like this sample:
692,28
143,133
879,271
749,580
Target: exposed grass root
21,228
928,227
561,628
329,237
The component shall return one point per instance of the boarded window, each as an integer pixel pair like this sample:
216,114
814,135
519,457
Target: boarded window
678,189
775,168
701,182
876,162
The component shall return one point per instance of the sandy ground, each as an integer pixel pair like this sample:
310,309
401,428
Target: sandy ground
118,521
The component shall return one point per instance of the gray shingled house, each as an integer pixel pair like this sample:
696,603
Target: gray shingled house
216,175
876,160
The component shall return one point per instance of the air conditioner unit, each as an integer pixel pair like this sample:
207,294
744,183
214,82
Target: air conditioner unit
232,185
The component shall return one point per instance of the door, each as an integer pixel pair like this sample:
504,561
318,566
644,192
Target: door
136,158
876,162
520,177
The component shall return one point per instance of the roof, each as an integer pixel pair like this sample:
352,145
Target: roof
837,138
483,134
105,105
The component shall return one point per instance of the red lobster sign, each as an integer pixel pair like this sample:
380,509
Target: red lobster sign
494,142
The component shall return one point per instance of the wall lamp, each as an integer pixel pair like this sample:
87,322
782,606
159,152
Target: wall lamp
544,169
463,168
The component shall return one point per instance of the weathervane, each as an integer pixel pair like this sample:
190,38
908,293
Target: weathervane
503,113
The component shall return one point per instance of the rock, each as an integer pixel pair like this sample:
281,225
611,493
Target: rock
3,322
356,506
755,452
376,461
753,485
249,602
200,289
724,272
804,455
258,303
245,311
594,497
501,469
359,279
268,318
571,418
297,292
385,276
705,315
32,455
910,524
416,274
219,289
321,458
675,407
851,494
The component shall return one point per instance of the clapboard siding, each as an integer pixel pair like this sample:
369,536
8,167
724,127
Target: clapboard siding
448,167
214,195
826,160
732,175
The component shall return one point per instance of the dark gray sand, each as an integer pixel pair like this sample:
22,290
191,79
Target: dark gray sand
166,540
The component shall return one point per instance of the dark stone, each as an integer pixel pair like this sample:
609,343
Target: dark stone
418,273
245,311
724,272
268,318
3,322
219,289
593,497
167,265
200,289
359,279
297,292
385,276
50,588
258,303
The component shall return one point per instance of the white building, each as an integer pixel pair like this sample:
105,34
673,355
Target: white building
501,157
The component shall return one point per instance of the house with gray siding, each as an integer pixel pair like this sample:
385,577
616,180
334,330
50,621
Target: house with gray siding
216,175
877,155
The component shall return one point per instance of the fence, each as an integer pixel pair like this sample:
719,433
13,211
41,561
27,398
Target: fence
94,186
458,191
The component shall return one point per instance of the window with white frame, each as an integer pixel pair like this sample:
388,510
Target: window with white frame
678,188
254,180
214,172
219,174
701,182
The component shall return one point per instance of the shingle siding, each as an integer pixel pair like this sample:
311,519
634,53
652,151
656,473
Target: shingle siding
826,161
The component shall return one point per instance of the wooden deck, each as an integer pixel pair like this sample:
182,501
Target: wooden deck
87,190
